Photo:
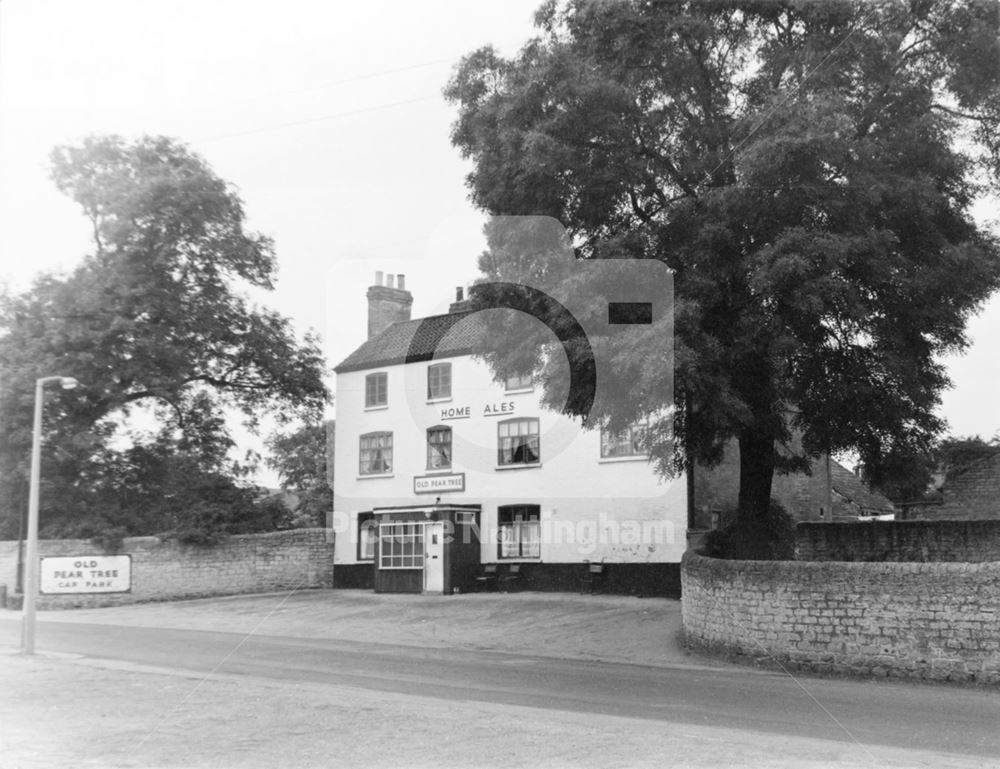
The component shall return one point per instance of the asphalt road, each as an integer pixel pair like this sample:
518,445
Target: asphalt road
935,718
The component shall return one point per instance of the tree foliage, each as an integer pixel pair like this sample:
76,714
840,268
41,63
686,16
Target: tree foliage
302,461
805,169
156,319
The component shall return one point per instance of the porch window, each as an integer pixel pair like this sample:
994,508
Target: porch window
438,448
517,442
519,533
401,546
376,453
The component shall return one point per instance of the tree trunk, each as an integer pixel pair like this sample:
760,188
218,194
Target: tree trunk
756,475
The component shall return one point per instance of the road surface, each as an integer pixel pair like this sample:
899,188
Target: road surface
900,715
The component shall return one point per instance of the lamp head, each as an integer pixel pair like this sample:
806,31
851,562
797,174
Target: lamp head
68,383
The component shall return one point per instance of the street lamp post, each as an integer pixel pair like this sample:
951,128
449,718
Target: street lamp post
31,559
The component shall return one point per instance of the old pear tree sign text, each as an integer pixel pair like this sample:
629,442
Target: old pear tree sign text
86,574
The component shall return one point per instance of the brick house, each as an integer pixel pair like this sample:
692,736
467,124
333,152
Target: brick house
803,496
969,493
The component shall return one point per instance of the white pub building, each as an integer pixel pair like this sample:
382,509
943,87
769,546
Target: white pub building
446,480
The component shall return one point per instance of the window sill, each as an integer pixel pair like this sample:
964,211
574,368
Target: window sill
630,458
519,559
519,467
373,476
383,407
442,399
519,391
439,471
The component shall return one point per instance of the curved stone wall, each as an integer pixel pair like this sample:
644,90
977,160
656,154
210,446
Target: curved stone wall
938,621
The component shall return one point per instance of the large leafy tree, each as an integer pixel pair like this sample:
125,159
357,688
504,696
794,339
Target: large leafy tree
157,320
805,169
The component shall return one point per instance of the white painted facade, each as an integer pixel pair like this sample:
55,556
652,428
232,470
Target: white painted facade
615,510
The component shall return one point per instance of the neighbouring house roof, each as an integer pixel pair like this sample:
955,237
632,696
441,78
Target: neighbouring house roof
969,492
960,475
437,336
289,498
853,489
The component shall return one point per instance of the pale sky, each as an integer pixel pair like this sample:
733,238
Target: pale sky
329,119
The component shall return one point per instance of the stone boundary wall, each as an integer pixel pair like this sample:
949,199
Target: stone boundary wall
164,569
934,621
922,541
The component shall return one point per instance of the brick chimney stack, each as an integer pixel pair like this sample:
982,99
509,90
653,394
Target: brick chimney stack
388,302
461,303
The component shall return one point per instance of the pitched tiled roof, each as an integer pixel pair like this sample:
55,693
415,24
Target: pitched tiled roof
438,336
852,488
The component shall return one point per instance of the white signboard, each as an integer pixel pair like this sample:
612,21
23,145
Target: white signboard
86,574
428,484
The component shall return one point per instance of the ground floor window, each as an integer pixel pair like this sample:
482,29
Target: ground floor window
401,546
518,535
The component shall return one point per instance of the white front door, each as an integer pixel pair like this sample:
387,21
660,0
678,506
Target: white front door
434,557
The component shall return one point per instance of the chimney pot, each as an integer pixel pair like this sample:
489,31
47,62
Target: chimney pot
387,304
401,282
459,293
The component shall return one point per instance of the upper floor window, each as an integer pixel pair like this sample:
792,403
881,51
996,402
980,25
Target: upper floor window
376,453
438,448
518,383
517,442
439,381
630,442
376,389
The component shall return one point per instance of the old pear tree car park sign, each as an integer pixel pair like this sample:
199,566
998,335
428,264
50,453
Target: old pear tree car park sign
86,574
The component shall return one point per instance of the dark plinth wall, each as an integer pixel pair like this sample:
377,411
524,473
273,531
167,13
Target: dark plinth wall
640,579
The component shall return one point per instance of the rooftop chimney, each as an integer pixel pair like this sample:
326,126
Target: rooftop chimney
461,304
387,304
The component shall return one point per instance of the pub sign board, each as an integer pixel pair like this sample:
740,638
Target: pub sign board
86,574
430,484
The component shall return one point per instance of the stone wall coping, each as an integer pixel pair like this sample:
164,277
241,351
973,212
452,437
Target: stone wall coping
129,542
729,566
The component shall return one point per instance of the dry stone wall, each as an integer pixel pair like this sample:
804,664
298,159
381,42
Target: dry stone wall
936,621
165,569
